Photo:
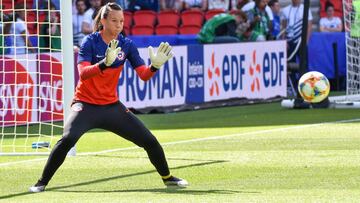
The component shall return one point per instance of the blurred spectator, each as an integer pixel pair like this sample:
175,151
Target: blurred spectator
195,4
242,3
19,31
77,22
330,23
172,5
259,21
292,17
224,28
218,4
276,22
251,5
50,35
135,5
89,15
44,4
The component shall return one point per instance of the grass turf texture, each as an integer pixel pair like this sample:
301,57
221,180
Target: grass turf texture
275,157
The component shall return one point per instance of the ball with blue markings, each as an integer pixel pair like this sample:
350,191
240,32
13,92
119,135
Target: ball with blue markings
314,87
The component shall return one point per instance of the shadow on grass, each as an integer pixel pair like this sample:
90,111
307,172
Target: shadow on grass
61,188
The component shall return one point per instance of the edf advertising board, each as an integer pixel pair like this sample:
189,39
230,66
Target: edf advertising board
202,73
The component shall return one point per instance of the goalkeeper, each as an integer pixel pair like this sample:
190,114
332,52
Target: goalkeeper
101,59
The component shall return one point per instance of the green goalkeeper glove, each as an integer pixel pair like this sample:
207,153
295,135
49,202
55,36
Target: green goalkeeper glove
162,55
111,54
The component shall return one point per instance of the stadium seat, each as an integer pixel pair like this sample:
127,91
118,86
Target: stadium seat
338,8
142,30
144,17
169,17
128,18
127,30
189,29
192,17
211,13
166,30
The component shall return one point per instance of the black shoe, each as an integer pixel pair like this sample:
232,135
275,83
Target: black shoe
175,182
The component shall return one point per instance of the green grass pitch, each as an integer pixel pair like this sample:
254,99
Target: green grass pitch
253,153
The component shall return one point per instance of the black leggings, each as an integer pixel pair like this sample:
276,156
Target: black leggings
113,117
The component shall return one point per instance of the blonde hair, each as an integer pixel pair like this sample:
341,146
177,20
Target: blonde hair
103,13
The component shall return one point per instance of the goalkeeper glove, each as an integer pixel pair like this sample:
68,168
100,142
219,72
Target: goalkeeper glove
162,55
111,54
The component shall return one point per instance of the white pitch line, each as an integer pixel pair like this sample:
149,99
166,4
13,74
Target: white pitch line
197,139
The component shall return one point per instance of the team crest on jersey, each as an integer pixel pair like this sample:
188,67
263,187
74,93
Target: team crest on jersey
121,56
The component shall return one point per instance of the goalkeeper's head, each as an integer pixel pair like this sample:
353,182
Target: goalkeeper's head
110,18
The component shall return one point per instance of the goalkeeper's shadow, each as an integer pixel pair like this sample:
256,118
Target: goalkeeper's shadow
60,188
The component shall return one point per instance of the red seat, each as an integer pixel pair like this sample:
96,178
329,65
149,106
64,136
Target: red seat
166,30
126,30
128,18
211,13
142,30
189,29
168,17
192,17
144,17
338,8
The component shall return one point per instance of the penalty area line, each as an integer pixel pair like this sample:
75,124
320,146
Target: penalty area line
196,140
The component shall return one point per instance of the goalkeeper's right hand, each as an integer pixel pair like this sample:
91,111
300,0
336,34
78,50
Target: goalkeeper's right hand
111,54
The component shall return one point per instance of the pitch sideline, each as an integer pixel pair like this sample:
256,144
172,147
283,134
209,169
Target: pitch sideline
195,140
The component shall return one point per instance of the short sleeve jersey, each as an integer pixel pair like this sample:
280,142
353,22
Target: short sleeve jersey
102,88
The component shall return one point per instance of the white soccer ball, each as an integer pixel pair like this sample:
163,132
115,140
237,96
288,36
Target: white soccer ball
314,87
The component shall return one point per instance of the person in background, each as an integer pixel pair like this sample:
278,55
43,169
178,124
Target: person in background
19,32
248,5
136,5
224,28
276,22
218,4
195,4
77,22
50,35
172,5
259,21
89,15
330,23
292,17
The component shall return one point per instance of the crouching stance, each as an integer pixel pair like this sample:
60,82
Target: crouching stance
101,59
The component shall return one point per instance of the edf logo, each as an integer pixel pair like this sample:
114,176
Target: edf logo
233,72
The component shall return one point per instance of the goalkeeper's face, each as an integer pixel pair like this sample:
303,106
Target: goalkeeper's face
114,22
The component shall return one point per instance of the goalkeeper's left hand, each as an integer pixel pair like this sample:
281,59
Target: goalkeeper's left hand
162,55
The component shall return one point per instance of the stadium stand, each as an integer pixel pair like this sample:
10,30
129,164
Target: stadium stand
189,29
211,13
337,6
168,17
166,30
192,17
144,17
142,30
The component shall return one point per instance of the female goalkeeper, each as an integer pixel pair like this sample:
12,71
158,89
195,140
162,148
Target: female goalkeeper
101,59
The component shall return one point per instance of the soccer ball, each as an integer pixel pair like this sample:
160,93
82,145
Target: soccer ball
314,87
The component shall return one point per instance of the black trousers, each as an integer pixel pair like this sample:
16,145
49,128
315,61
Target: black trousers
113,117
